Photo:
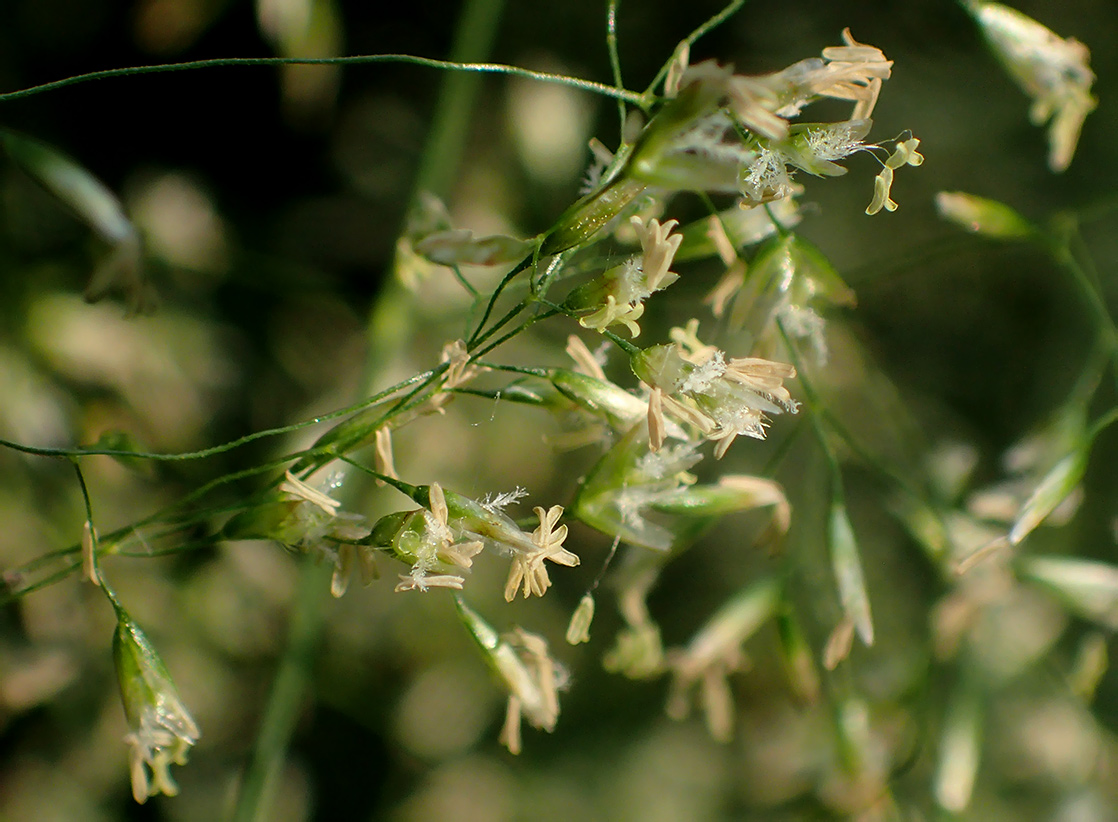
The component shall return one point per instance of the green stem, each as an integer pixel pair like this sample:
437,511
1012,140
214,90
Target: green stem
615,60
714,22
477,337
466,284
540,290
815,413
447,65
819,410
473,38
624,345
287,696
542,373
1102,423
217,449
1060,249
482,351
1099,210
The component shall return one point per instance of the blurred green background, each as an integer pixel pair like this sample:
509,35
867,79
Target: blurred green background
270,202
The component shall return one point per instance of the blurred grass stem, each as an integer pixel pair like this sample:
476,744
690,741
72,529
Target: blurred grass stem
388,329
287,696
1060,248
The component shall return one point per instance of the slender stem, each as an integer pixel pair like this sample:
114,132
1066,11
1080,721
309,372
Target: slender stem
1099,210
508,278
217,449
473,36
394,311
548,277
287,696
511,315
466,284
448,65
1102,423
615,60
1104,323
814,406
1078,246
405,488
623,344
413,398
908,262
821,414
481,352
714,22
311,459
12,579
85,492
542,373
781,229
553,270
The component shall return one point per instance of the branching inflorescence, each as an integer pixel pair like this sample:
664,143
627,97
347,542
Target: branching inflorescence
706,134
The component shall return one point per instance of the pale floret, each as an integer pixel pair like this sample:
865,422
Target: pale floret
1052,70
766,178
586,361
533,679
983,216
816,147
694,383
620,293
638,652
421,581
459,370
578,629
852,72
855,71
658,248
528,569
319,528
436,547
904,154
715,652
297,489
764,105
162,730
385,462
163,737
614,313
